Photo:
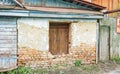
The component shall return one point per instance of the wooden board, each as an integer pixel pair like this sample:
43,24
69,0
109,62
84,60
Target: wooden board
59,35
104,52
8,44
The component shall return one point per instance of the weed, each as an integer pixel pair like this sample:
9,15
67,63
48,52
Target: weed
90,68
77,63
20,70
116,59
61,72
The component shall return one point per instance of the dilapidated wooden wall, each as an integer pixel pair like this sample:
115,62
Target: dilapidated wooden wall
104,44
8,43
114,39
109,4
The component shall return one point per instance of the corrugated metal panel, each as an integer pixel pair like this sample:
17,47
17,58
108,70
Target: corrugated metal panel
7,2
8,44
33,2
51,3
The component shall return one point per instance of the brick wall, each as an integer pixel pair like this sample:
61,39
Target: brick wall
34,51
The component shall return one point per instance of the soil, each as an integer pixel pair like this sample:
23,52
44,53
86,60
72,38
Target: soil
101,68
109,67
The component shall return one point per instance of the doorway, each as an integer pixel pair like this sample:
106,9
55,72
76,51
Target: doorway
59,38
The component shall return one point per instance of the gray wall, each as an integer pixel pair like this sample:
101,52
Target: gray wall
114,38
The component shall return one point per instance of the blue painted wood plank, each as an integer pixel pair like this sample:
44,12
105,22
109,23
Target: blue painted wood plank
7,29
8,41
4,26
8,38
8,33
8,45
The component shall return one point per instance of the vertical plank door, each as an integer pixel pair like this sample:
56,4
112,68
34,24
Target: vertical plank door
104,52
8,44
59,38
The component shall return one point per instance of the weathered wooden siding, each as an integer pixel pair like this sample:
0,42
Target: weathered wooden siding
110,4
104,50
8,43
114,38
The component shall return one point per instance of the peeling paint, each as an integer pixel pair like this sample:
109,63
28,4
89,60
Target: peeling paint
83,32
33,43
33,35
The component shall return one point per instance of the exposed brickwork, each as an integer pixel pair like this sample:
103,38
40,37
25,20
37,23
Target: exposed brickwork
36,58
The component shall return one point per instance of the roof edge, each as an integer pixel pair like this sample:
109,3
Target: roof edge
87,4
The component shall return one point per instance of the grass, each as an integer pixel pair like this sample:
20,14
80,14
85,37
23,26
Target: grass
77,63
116,59
20,70
90,68
58,69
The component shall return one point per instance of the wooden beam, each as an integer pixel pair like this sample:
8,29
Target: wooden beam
112,11
63,10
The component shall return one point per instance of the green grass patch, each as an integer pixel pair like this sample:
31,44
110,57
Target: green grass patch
90,68
116,59
77,63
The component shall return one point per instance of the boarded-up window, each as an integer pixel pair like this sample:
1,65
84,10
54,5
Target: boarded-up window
59,38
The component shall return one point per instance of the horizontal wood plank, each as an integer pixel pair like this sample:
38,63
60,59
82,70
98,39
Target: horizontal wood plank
8,41
8,69
8,33
8,45
8,51
4,26
8,62
8,37
7,22
8,29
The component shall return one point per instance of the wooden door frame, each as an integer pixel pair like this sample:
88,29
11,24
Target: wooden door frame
67,23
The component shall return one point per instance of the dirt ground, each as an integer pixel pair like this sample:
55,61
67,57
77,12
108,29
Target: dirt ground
109,67
101,68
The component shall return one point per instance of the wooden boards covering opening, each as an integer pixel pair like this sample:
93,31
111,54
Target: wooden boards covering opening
59,38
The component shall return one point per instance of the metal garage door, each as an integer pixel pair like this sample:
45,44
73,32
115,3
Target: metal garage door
8,43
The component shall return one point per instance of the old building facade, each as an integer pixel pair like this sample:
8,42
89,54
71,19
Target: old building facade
46,33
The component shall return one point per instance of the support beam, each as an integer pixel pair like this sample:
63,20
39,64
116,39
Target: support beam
18,3
112,11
